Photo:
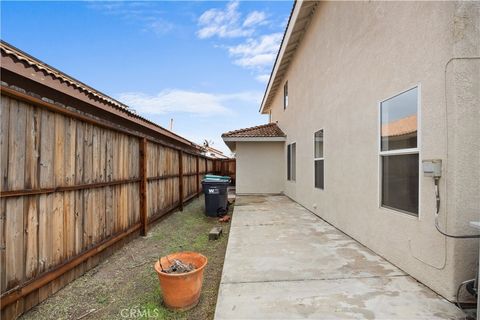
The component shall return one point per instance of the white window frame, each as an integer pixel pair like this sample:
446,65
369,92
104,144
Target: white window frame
322,158
285,95
416,150
292,165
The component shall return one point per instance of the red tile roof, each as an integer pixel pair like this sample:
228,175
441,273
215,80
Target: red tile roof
400,127
266,130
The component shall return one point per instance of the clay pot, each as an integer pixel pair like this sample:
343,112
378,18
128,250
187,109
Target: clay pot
181,291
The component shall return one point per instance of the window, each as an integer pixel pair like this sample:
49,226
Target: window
318,159
399,153
285,95
291,161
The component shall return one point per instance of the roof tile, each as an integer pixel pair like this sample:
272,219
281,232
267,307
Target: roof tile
266,130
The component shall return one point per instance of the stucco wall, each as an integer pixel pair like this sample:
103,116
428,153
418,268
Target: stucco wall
260,167
354,55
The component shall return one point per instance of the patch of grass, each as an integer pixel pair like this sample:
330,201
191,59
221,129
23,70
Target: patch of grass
102,299
191,234
150,305
201,242
152,310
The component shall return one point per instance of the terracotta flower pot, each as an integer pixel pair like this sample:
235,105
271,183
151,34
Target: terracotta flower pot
181,291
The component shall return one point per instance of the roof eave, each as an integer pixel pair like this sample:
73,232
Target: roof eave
231,142
254,139
293,35
279,55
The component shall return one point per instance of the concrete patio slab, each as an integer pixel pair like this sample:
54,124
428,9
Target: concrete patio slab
284,262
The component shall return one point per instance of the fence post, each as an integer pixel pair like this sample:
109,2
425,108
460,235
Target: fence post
180,179
143,186
198,176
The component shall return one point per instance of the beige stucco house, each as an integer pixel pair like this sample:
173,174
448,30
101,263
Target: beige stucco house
361,94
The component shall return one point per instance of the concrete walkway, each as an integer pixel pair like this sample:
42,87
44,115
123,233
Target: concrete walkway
282,262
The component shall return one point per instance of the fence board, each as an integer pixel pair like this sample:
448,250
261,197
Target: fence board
16,146
32,146
70,149
69,224
31,236
14,242
59,151
43,232
88,154
79,150
4,136
3,278
57,230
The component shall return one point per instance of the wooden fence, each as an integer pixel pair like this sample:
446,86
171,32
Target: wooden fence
73,189
226,167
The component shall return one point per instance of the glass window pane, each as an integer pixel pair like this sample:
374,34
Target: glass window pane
319,144
288,162
400,182
319,174
399,121
294,161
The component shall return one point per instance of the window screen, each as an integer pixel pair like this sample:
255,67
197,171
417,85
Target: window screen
399,152
319,159
291,161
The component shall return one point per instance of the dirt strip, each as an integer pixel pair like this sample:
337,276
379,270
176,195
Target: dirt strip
126,286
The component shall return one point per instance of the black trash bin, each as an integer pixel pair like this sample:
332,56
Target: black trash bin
216,196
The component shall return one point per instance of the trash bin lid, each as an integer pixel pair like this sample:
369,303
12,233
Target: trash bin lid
215,181
216,178
208,175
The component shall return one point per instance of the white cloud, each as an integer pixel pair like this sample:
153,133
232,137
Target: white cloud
226,23
145,13
257,53
255,18
183,101
245,96
160,26
263,78
254,52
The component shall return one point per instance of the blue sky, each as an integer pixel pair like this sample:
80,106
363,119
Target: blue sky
204,64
